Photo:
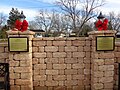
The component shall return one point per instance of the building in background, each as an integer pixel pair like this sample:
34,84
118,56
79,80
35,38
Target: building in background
38,32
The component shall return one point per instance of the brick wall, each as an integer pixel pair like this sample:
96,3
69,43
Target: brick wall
116,64
61,63
20,64
102,64
4,53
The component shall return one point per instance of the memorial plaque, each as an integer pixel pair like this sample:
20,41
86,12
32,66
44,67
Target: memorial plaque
105,43
18,44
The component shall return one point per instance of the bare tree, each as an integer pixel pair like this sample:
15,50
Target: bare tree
114,21
51,22
3,27
2,19
66,23
60,23
34,25
44,20
80,11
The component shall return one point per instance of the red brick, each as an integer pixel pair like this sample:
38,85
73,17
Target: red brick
22,69
36,71
78,54
49,66
108,86
109,61
59,54
34,60
68,43
40,88
40,77
41,49
80,48
35,49
25,63
1,49
106,79
42,83
87,48
86,71
26,75
48,38
11,82
109,73
39,43
71,82
51,60
68,66
40,66
42,72
51,83
26,88
61,72
15,87
78,77
98,74
49,77
41,60
3,55
59,77
98,86
59,66
51,49
14,75
88,42
39,55
70,49
61,60
70,71
69,77
117,54
78,66
49,43
49,55
60,87
59,43
61,49
78,43
52,72
69,54
23,82
14,63
106,55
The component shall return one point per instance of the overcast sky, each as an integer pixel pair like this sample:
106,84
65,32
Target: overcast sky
31,7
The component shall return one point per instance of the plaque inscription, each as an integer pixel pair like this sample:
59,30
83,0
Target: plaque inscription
105,43
18,44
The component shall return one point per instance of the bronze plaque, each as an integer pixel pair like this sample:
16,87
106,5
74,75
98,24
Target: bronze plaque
105,43
18,44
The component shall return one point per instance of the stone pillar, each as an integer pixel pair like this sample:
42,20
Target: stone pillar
102,64
20,64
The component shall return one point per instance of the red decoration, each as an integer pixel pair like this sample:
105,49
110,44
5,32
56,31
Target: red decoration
24,26
21,26
102,25
18,24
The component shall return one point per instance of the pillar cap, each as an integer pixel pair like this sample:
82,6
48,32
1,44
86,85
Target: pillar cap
102,32
11,32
